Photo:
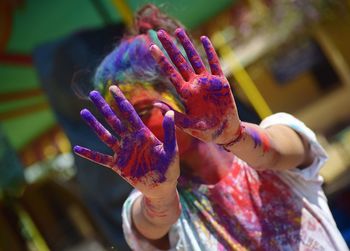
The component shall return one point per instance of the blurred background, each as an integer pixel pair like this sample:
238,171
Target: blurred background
290,55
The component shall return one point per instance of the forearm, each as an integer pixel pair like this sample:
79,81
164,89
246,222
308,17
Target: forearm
153,217
277,147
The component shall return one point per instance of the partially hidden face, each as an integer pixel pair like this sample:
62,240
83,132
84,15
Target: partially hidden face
142,97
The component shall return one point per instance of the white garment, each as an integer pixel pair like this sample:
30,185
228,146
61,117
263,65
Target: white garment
250,210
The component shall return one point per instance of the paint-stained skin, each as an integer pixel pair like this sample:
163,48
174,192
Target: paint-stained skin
211,113
260,139
139,155
245,211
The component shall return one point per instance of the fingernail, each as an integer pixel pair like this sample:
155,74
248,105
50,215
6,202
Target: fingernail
76,149
179,31
161,33
94,94
152,47
84,112
170,114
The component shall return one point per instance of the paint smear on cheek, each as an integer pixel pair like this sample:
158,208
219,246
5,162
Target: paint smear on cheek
154,123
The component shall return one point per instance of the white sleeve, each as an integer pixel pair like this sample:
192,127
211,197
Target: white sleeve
133,238
310,173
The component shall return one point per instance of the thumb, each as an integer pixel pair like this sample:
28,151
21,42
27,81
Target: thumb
169,132
164,107
181,119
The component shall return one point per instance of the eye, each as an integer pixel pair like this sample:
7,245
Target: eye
144,112
143,109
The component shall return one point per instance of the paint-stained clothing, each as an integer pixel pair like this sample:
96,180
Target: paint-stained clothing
251,210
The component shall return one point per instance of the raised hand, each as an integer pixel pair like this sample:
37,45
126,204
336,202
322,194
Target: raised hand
211,113
140,158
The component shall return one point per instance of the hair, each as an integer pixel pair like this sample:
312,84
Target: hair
131,61
150,17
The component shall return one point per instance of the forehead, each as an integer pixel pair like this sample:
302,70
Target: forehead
138,92
133,91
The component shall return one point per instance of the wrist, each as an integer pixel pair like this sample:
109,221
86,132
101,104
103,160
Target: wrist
238,135
161,210
153,218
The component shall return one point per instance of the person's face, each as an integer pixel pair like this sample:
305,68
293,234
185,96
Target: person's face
142,98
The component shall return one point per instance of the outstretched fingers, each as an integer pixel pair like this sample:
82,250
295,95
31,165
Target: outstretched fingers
94,156
105,136
175,54
107,112
127,112
191,52
213,58
167,68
